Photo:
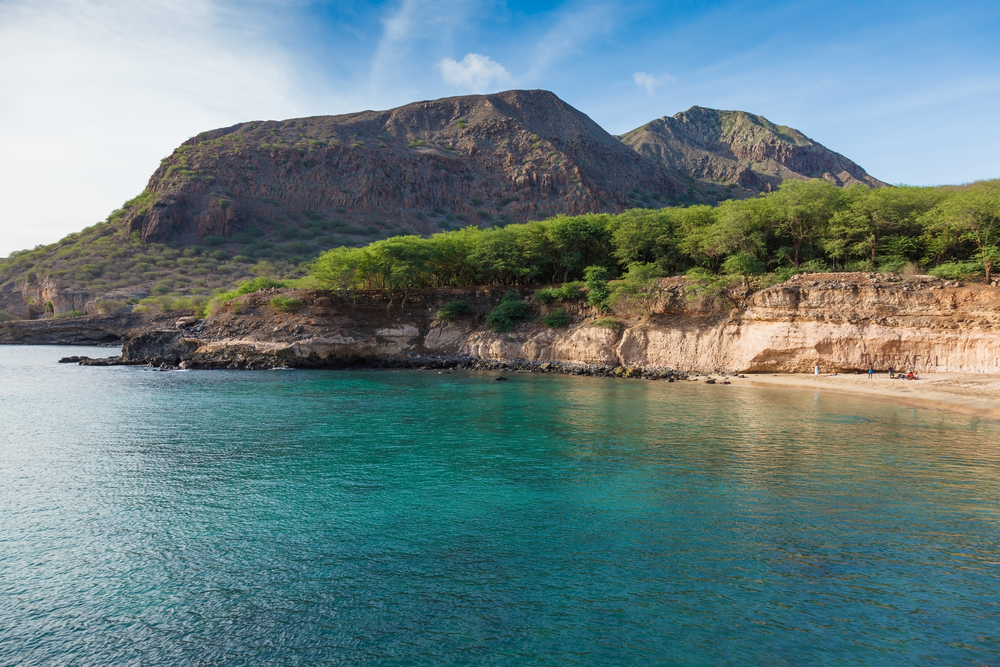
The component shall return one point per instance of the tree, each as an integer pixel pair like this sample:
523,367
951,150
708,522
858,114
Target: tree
803,209
577,242
744,265
878,219
640,285
644,235
401,263
337,271
740,226
972,215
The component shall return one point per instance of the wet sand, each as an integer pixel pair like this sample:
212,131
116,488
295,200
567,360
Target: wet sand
968,393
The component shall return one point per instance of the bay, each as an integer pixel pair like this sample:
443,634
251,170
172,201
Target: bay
360,517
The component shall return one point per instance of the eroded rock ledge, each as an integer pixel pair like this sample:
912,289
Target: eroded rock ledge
840,322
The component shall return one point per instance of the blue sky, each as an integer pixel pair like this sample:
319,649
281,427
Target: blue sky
96,92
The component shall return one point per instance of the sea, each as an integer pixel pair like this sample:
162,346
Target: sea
353,517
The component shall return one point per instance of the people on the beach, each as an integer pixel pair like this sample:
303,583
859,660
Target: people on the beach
871,372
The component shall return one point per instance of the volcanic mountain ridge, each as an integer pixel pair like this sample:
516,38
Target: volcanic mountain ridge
482,159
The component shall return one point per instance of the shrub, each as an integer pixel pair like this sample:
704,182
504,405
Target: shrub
285,304
214,240
556,319
69,313
453,310
608,322
598,292
568,292
547,295
109,306
508,313
956,270
251,286
6,317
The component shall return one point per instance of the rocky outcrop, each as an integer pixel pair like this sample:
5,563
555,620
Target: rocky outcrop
27,300
838,322
68,331
739,148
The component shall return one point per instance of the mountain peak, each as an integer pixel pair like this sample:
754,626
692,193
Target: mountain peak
741,149
488,159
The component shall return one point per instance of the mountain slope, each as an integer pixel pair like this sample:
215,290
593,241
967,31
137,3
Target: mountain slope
735,147
285,191
512,156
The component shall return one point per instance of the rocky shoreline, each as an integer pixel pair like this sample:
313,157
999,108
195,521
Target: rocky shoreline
402,362
837,322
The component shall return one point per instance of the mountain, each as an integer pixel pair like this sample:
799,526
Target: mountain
285,191
741,149
511,156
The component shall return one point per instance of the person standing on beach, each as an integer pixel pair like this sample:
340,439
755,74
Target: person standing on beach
871,372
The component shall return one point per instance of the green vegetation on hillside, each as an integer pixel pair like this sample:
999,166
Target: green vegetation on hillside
804,226
104,257
951,232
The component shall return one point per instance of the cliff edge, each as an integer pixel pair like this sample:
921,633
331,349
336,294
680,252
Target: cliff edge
839,322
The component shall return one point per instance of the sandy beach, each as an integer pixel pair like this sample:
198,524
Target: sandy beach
968,393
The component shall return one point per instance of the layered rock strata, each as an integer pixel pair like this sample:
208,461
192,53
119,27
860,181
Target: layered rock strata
839,322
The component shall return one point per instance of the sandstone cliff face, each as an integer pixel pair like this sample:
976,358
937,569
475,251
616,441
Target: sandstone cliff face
741,148
836,321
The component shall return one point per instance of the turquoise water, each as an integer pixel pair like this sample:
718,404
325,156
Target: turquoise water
301,518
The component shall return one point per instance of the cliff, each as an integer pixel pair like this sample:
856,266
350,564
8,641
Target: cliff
836,321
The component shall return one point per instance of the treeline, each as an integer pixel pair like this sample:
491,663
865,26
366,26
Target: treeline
803,226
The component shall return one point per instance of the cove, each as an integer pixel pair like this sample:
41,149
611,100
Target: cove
375,517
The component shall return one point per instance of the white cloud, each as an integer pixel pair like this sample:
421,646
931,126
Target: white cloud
650,82
97,91
476,72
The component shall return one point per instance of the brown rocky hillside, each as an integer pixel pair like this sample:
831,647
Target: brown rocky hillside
282,192
511,156
741,149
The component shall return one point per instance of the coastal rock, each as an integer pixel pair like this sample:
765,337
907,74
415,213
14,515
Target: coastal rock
835,321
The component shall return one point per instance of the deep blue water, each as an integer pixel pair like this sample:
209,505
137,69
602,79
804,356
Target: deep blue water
302,518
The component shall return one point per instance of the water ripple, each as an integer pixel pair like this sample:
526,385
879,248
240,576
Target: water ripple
219,518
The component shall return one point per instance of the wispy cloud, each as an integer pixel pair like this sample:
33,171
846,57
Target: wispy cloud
574,25
96,92
408,26
650,82
475,73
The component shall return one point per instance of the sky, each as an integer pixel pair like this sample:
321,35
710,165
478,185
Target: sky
93,94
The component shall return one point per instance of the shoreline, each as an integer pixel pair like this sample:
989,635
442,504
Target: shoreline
976,394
